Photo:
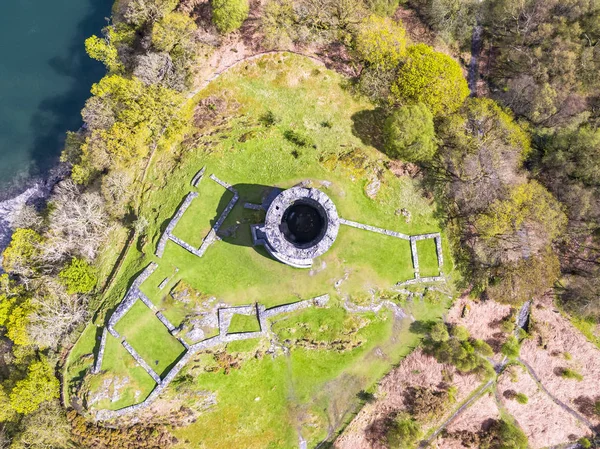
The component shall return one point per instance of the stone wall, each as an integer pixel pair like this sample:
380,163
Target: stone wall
98,365
198,177
141,361
222,338
132,295
162,243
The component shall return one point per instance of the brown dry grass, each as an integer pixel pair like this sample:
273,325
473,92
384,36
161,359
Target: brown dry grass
482,320
417,369
557,344
473,419
543,421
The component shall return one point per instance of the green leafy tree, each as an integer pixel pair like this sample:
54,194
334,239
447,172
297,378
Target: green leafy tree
410,134
509,436
19,256
38,386
381,42
102,50
511,347
78,276
229,15
529,205
439,332
432,78
404,433
172,30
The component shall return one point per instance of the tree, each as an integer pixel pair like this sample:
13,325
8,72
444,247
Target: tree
102,50
511,347
228,15
409,134
78,224
172,30
439,332
529,206
432,78
46,428
404,433
381,42
39,386
78,276
140,12
20,254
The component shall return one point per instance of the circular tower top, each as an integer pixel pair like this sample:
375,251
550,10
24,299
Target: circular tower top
301,223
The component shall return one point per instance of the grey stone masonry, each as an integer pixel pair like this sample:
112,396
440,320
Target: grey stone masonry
253,206
223,183
222,338
160,249
132,295
365,227
421,280
163,319
141,361
164,283
98,365
438,248
198,177
319,301
114,333
147,301
225,315
425,236
186,246
415,256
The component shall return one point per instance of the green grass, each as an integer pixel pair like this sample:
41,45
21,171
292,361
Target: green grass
150,338
202,213
120,366
428,261
80,359
243,323
311,389
269,398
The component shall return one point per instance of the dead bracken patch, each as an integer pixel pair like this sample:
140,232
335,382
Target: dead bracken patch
476,418
543,421
555,345
416,371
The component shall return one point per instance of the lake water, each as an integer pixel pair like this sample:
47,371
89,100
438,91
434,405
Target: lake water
45,78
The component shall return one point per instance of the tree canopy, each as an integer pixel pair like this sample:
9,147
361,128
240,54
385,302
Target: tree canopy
410,134
432,78
381,42
229,15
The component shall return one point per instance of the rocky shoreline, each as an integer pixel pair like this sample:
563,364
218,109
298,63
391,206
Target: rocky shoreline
38,191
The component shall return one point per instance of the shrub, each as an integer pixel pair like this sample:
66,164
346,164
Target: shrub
228,15
567,373
268,119
298,139
432,78
584,443
404,433
40,385
511,347
409,134
78,277
521,398
381,42
458,348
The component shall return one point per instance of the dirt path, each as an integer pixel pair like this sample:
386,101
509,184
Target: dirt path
554,399
474,397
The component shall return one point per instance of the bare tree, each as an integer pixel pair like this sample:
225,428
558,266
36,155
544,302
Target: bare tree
78,224
54,313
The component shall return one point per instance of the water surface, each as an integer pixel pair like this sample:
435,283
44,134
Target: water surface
45,78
